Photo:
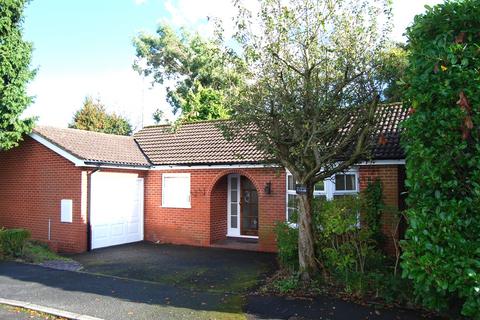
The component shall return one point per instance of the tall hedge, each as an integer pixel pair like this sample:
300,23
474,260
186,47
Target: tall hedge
442,143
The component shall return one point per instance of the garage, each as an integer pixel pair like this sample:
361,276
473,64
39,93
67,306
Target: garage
116,209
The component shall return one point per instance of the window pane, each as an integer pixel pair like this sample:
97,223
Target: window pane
340,182
292,201
350,182
290,213
290,184
320,196
233,182
340,196
234,196
320,186
233,221
234,209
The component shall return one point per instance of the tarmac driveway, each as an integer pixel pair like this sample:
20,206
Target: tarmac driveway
194,268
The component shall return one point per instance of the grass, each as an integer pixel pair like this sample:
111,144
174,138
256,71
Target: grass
38,252
30,313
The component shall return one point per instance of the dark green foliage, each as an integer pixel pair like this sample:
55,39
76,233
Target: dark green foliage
348,250
12,241
442,143
94,117
394,61
15,73
287,242
342,244
203,71
373,207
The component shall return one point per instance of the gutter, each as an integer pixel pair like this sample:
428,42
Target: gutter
98,164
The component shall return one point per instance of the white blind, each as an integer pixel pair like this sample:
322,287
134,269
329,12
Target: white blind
176,190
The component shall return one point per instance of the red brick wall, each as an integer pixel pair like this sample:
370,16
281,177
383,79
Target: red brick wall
33,180
392,182
219,210
199,225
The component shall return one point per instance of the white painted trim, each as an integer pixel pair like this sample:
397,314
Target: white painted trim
111,166
382,162
67,155
329,187
243,236
141,185
257,166
233,232
214,166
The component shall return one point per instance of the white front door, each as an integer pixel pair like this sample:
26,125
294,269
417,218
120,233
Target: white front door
116,209
233,204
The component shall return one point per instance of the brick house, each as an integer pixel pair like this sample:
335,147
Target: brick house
81,190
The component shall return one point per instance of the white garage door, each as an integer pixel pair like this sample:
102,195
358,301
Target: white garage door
116,208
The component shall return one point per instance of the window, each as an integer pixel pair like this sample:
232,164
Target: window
176,190
291,197
66,206
340,185
345,185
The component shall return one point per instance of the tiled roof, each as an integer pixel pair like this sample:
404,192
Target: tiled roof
195,143
203,142
94,146
387,138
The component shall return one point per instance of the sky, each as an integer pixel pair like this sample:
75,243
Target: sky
84,48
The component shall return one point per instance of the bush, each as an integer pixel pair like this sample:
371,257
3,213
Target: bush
341,242
442,142
373,207
12,241
287,242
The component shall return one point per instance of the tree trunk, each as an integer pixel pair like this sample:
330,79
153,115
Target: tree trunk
306,251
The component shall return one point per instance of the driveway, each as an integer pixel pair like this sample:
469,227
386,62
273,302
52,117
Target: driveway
193,268
148,281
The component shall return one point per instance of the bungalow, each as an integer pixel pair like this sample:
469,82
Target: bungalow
81,190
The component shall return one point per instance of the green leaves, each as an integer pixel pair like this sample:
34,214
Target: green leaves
93,117
203,71
15,73
442,141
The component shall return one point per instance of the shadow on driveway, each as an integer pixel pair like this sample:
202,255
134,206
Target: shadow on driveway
193,268
147,281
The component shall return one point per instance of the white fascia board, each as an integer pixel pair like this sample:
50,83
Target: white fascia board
213,166
67,155
382,162
112,166
370,163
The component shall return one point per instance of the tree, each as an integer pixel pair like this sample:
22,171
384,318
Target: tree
15,73
394,61
311,91
442,142
93,117
202,69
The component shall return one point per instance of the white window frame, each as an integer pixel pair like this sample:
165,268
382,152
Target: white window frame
346,192
329,187
165,203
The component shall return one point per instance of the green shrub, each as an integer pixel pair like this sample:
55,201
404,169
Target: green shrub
288,284
442,142
342,243
373,207
12,241
287,242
